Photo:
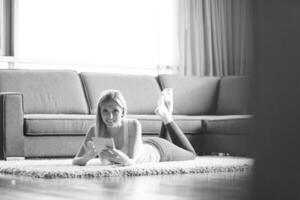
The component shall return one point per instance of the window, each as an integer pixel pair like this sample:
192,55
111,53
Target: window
101,35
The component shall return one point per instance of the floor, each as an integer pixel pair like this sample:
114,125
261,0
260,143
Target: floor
231,186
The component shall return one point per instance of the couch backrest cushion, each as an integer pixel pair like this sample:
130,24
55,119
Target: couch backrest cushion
46,91
192,95
233,95
140,91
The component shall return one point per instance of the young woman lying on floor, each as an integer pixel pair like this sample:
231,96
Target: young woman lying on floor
111,122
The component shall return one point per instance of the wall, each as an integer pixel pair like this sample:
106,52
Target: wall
276,99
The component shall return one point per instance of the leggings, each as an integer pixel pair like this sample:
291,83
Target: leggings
172,144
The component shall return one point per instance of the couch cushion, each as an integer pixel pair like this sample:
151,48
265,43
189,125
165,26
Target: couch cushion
70,125
230,124
46,91
151,124
47,124
189,124
43,124
140,91
233,95
192,95
52,146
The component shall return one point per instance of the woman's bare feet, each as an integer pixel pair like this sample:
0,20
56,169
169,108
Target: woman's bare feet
167,94
162,111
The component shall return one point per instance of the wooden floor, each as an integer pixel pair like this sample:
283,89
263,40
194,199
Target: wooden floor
231,186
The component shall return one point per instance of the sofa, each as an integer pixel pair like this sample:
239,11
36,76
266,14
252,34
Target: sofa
46,113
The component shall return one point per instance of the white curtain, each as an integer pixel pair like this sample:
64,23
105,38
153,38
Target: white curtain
214,37
5,25
2,47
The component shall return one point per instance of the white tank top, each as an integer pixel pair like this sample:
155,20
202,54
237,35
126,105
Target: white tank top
125,146
149,152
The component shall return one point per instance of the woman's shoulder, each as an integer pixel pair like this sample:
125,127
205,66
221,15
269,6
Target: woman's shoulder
91,132
133,121
133,124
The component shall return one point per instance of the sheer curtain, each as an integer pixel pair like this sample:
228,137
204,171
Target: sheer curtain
214,37
2,31
5,28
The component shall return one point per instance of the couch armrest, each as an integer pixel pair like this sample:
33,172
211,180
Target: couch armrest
11,125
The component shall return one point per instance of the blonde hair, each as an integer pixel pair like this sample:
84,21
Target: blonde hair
108,96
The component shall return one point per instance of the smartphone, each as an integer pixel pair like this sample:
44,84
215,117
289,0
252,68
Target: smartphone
102,143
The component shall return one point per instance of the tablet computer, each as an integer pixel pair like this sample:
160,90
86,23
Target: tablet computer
102,143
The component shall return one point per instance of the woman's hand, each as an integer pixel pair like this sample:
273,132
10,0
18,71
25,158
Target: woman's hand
90,150
89,153
116,156
110,154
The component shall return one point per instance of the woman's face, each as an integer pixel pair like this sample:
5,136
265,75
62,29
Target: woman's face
112,114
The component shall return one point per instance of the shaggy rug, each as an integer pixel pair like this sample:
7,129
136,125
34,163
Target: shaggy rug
62,168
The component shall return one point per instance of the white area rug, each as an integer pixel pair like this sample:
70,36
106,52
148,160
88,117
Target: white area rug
62,168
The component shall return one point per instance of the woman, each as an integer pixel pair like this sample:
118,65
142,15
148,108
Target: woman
111,122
